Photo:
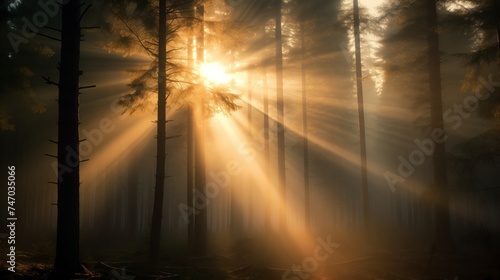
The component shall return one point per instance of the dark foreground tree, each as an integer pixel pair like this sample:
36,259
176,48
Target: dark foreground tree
67,259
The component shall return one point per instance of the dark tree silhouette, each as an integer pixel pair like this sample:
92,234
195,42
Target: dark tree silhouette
443,231
136,31
420,68
150,35
155,240
67,259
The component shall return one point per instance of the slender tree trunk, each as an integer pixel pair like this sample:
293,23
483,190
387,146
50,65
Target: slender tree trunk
235,217
307,206
155,241
67,259
250,181
190,178
442,218
280,123
190,150
133,190
361,111
201,225
267,204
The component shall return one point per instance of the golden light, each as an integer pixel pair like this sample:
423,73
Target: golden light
214,73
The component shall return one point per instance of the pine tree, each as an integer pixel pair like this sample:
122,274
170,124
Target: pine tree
362,138
480,20
155,239
132,30
443,230
67,259
138,32
280,115
419,71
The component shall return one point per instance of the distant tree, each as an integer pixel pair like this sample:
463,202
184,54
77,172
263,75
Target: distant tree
479,22
139,32
442,209
245,34
201,219
361,114
280,115
419,69
132,29
190,133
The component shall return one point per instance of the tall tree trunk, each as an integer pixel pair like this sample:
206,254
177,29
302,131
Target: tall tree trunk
155,240
280,118
190,146
361,112
235,218
190,178
267,203
442,218
250,181
68,156
133,191
200,228
307,206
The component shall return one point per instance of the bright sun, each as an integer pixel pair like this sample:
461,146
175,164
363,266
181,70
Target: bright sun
214,73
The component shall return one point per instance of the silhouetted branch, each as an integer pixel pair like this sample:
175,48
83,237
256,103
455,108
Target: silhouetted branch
52,28
138,38
49,37
84,12
86,87
49,82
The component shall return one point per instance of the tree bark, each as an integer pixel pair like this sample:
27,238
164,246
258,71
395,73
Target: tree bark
305,145
267,203
361,113
67,260
133,191
250,181
155,240
280,118
201,223
441,208
190,147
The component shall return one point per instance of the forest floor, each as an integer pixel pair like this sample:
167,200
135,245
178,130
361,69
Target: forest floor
349,262
381,265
